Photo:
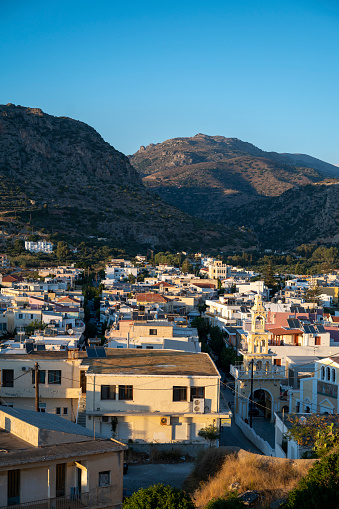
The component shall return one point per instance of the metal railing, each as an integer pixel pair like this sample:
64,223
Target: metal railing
101,496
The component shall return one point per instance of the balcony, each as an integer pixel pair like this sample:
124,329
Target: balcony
98,497
243,370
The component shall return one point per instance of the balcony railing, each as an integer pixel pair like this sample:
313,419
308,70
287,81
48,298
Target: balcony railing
98,497
241,369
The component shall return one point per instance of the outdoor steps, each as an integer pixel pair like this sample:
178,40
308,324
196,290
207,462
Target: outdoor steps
81,420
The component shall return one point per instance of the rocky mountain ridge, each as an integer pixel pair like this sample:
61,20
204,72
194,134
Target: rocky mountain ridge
58,174
209,175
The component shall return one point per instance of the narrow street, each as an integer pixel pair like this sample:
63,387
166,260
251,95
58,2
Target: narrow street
233,436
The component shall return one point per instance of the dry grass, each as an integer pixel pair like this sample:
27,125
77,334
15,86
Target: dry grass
272,477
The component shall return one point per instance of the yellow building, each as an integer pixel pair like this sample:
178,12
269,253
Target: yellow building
256,377
153,395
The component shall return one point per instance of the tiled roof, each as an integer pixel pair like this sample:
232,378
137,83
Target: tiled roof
151,297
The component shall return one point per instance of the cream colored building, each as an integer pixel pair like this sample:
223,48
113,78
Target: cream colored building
153,395
218,270
153,334
59,387
257,365
48,461
319,393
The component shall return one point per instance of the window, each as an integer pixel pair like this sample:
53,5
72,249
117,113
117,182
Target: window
149,347
54,376
20,316
323,373
328,373
126,392
333,375
179,393
197,392
138,346
153,332
65,410
42,408
8,378
58,410
42,376
105,478
108,392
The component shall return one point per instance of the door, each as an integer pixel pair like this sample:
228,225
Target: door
79,481
60,479
13,487
83,381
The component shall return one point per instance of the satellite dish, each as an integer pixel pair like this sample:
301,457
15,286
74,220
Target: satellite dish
70,332
302,420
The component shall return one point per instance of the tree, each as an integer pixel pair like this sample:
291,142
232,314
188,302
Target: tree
319,488
62,251
159,497
187,267
209,433
319,433
313,292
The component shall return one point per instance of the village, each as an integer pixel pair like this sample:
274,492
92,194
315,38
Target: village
174,360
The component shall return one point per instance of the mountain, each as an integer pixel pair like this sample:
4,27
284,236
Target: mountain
209,175
305,214
312,162
58,174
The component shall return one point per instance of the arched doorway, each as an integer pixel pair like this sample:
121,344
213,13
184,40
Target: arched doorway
263,403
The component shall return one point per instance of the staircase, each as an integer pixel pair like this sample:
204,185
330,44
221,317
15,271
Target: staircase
81,419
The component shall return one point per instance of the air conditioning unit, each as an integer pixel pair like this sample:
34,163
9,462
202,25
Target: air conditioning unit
198,405
165,421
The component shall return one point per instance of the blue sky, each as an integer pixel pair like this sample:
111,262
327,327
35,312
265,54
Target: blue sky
266,72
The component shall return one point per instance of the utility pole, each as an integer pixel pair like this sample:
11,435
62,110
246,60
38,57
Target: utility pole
36,368
251,397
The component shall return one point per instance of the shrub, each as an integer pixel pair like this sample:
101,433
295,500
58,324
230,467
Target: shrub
159,497
232,502
319,488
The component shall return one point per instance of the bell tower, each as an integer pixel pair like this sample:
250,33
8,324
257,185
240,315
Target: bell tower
258,338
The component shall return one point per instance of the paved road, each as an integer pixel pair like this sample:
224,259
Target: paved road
234,435
143,476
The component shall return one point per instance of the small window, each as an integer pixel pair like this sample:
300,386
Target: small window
328,373
138,346
42,408
54,377
8,378
65,410
105,478
323,373
58,410
126,392
197,392
333,375
108,392
149,347
20,316
42,376
179,393
153,332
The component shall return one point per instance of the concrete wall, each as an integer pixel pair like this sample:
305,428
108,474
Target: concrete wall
259,442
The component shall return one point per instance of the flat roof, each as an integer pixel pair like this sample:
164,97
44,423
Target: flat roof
152,362
41,354
24,453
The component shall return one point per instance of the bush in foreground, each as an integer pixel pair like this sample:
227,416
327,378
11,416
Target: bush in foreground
232,502
159,497
319,488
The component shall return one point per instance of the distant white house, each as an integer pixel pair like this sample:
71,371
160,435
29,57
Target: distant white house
39,247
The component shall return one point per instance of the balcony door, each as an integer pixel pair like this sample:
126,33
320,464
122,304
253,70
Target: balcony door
13,487
60,479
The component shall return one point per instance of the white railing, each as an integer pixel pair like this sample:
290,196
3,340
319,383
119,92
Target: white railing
241,369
